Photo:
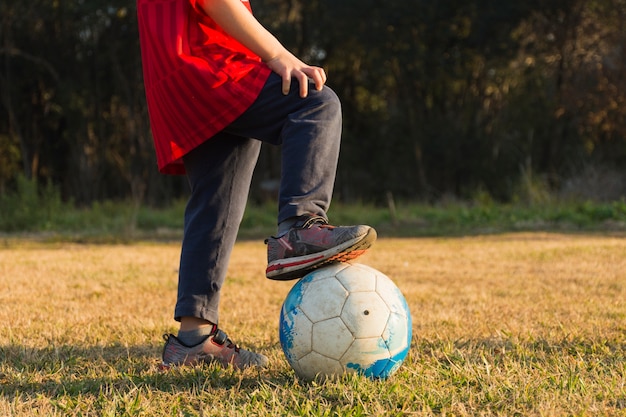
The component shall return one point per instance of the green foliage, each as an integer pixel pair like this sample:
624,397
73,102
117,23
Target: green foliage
40,210
440,99
31,207
9,160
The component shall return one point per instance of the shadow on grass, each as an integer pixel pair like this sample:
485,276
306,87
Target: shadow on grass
70,370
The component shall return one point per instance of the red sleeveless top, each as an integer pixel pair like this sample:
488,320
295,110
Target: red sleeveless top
197,78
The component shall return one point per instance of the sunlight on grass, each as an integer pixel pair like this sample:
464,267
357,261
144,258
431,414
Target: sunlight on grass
511,324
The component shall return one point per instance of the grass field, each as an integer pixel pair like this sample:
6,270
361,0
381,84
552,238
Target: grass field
510,324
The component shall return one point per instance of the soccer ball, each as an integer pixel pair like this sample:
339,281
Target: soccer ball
343,318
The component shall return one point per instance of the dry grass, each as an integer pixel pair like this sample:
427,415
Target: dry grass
516,324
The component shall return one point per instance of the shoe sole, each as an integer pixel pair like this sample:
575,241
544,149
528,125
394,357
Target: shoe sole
297,267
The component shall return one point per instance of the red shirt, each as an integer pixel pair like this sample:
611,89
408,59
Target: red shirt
198,79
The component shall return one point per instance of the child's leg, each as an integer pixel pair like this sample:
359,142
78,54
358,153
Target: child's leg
309,130
219,173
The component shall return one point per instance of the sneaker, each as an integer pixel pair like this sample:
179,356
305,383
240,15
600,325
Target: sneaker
313,243
217,347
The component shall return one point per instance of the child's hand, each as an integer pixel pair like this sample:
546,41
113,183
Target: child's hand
289,67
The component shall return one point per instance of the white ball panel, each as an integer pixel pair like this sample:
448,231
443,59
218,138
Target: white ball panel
391,294
315,364
396,334
364,353
358,278
323,299
331,338
365,314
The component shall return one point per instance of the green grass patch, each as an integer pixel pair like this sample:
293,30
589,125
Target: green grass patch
520,324
40,210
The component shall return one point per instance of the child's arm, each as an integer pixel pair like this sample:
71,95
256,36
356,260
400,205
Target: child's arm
239,23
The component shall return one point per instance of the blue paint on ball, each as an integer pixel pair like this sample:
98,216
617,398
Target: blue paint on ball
290,309
285,333
384,368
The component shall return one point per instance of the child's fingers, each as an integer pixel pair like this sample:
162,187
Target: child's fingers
286,84
303,81
318,76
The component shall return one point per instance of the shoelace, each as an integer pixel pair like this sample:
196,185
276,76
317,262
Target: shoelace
306,222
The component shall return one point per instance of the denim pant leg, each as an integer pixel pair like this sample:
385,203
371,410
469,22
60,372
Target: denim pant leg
309,131
219,172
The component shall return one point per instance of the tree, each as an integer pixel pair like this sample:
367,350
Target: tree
439,98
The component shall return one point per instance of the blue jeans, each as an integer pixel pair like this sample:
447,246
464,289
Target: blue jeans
220,172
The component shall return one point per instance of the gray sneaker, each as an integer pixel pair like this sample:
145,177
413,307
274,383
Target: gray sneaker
217,347
313,243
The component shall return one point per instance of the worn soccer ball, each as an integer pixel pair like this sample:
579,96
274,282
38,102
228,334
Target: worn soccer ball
345,318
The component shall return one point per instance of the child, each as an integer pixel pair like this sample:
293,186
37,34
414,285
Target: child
218,85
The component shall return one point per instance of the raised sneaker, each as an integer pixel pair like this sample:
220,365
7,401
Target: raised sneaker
312,243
